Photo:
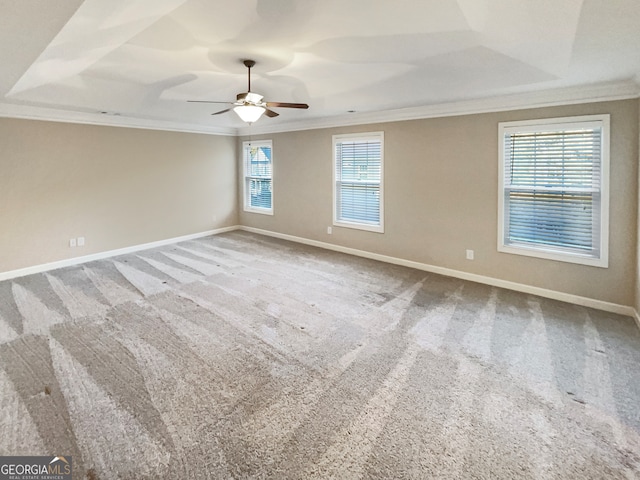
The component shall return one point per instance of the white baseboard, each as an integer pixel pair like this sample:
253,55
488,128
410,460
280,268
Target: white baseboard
495,282
110,253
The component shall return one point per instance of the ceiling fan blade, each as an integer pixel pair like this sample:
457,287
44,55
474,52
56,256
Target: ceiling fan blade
206,101
287,105
249,100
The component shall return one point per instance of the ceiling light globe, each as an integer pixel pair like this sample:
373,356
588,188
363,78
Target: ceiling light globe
249,113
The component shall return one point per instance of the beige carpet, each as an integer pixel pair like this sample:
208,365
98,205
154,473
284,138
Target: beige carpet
240,356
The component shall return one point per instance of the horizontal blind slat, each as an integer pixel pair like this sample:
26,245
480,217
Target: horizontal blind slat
358,177
552,182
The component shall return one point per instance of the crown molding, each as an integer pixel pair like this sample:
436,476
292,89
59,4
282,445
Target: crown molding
517,101
30,112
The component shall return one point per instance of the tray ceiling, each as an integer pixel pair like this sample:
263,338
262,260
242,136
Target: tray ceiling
139,61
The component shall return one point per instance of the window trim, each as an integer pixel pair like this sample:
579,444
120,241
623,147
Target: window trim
378,136
245,192
549,252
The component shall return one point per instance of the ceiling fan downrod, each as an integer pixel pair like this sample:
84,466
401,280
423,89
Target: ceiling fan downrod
249,64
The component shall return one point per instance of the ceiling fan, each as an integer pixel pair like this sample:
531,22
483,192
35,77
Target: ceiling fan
250,106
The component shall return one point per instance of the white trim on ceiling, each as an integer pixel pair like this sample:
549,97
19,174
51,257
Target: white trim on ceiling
29,112
544,98
602,92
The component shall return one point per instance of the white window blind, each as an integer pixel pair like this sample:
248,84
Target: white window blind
358,172
553,192
258,177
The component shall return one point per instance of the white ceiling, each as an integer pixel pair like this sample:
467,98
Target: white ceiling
141,60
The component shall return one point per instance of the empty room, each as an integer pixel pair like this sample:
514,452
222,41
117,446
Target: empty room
310,239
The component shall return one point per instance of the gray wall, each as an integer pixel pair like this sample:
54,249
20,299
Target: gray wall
117,187
441,198
120,187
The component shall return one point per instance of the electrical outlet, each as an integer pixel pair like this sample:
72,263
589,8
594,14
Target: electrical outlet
81,241
469,254
329,230
72,242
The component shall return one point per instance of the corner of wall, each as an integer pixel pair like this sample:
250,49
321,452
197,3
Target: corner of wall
637,228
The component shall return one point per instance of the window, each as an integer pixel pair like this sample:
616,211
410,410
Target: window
554,192
258,177
358,171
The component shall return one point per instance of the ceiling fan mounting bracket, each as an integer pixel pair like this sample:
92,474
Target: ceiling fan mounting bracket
249,63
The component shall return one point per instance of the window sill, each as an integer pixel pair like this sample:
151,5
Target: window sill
551,254
360,226
262,211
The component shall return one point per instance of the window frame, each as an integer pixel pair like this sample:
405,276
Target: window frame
246,192
550,252
354,137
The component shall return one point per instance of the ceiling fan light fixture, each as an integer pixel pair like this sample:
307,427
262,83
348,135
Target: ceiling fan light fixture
249,113
250,106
